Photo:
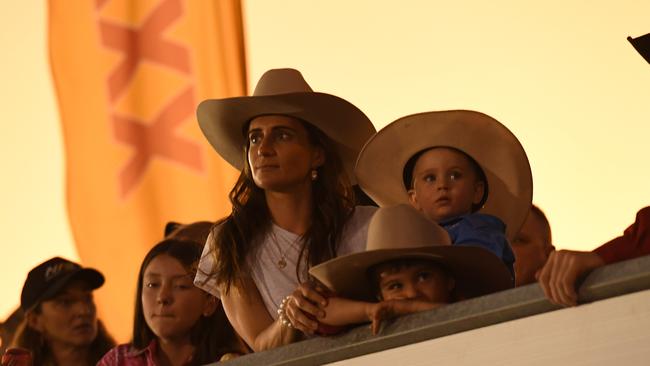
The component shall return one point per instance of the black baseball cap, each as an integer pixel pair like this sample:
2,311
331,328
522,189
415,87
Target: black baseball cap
50,277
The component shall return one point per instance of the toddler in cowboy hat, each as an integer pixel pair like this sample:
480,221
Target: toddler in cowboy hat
462,169
409,266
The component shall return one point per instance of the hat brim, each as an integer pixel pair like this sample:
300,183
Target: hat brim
476,271
90,276
380,166
222,122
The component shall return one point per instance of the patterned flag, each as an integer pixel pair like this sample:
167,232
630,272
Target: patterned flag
128,76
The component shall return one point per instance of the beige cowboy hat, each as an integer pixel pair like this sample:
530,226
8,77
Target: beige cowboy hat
284,92
400,232
380,166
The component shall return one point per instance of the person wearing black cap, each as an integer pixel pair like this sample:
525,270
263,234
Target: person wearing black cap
61,326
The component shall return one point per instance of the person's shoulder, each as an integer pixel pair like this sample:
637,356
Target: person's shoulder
117,355
215,229
363,213
360,217
481,220
356,230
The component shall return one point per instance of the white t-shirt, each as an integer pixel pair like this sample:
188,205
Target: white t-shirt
275,283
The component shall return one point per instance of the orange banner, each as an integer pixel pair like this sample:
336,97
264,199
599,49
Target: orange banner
128,77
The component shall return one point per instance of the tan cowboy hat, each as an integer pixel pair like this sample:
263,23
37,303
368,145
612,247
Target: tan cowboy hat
400,232
284,92
380,167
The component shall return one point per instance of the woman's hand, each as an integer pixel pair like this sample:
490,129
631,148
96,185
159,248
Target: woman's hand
304,307
248,315
562,269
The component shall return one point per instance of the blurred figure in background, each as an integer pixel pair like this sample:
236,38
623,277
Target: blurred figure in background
532,246
8,328
60,325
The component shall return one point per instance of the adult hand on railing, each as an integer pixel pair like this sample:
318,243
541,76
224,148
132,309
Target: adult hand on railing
562,269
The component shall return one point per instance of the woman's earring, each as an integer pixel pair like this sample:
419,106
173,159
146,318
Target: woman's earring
314,174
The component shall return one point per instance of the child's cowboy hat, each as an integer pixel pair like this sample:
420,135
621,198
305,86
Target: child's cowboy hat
380,167
284,92
401,232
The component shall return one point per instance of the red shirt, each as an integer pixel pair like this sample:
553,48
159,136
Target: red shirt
635,241
126,355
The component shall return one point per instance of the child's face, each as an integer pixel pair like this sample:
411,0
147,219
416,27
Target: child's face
445,184
170,302
420,280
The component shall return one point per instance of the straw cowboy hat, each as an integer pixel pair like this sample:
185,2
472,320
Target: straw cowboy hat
284,92
400,232
380,166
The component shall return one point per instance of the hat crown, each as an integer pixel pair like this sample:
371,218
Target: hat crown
281,81
403,227
53,268
380,165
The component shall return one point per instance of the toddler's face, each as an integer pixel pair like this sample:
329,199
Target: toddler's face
421,280
445,184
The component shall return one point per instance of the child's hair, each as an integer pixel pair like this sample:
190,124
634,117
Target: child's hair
394,265
407,174
212,336
534,209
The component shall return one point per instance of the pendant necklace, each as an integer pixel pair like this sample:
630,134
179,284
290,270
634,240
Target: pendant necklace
282,262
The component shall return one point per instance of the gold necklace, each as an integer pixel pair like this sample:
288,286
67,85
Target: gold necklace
282,262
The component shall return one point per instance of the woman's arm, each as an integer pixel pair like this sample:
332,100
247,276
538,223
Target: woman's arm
248,315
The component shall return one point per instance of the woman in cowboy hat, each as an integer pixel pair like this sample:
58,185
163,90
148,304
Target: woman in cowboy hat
293,205
462,169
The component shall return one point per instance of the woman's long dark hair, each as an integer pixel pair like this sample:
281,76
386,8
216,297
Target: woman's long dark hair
211,336
239,234
31,339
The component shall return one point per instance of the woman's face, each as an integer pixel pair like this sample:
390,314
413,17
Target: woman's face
69,319
280,154
170,302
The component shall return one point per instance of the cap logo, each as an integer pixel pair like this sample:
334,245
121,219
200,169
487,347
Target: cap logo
55,269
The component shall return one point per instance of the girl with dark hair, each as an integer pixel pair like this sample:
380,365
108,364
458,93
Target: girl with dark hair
175,323
293,204
60,325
